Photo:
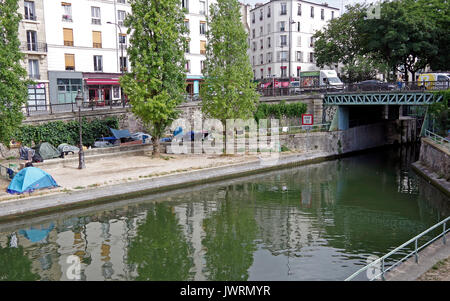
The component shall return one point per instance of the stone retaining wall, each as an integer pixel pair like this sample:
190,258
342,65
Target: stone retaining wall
436,157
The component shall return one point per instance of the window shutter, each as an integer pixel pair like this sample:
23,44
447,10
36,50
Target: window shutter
278,41
299,41
97,39
68,36
70,60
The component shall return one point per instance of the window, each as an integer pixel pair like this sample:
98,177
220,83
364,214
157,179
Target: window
122,38
98,63
185,4
312,11
30,13
283,10
186,24
253,33
253,17
120,17
268,43
261,13
68,36
68,89
299,41
67,12
33,69
262,43
262,73
188,48
268,28
282,26
95,14
70,61
123,63
311,43
268,11
202,66
269,72
261,31
322,14
97,39
31,40
298,26
332,14
254,46
299,10
36,97
283,40
299,56
202,27
121,1
202,47
202,8
188,66
269,57
261,59
282,56
283,71
311,57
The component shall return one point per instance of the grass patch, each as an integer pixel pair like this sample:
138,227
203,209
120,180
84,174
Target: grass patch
79,187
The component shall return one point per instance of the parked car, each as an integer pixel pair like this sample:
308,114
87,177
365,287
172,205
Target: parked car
372,85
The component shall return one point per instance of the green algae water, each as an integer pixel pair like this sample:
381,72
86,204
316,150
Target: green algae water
315,222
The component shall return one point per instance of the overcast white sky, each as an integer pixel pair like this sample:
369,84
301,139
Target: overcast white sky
333,3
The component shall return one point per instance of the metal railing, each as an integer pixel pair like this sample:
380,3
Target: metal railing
438,139
34,47
397,87
51,108
381,262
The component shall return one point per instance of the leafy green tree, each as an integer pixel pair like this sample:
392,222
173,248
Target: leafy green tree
229,241
228,91
401,36
13,83
156,83
159,249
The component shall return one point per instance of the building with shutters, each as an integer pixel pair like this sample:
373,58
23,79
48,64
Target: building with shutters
87,43
281,36
33,45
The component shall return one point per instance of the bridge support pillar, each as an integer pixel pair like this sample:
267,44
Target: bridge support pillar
343,118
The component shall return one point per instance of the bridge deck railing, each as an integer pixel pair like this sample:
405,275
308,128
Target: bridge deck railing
399,87
379,267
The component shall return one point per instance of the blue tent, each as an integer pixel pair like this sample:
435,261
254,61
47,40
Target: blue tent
30,179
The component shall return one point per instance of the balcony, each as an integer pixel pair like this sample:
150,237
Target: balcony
67,18
34,47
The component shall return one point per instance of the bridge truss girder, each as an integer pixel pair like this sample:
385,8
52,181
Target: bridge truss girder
381,99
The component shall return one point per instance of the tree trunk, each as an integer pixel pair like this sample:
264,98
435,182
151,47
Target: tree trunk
155,141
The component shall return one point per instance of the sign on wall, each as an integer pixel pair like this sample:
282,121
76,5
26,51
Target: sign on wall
307,119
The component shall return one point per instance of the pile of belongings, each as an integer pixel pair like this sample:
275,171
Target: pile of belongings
121,136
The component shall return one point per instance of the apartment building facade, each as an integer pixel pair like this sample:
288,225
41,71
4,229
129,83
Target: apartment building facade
281,36
33,44
87,44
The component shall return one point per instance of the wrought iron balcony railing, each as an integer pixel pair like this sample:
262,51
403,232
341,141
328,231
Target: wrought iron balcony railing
35,47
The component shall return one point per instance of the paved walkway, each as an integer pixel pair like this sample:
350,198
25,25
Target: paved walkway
428,257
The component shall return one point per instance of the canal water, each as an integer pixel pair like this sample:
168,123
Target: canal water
315,222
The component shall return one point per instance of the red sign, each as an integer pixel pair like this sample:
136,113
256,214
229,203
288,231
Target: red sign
307,119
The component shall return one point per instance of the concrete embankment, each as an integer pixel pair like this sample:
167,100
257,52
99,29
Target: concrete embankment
434,164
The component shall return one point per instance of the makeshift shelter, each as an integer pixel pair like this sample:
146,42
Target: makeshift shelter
30,179
67,148
47,151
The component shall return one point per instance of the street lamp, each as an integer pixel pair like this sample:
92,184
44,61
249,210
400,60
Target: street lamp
79,100
121,63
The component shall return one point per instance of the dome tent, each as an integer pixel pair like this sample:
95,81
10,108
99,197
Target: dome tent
47,151
30,179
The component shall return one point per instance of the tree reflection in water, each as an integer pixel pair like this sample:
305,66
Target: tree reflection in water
159,249
230,240
15,265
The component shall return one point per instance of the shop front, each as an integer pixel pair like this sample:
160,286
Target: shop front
102,89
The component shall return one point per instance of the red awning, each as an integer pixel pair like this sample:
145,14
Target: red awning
102,81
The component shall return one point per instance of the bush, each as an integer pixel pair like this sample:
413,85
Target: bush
57,132
280,110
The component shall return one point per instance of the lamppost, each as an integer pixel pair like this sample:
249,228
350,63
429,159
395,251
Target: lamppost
79,100
121,62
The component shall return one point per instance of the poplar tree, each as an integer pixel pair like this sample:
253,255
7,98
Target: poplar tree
13,82
156,83
228,91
